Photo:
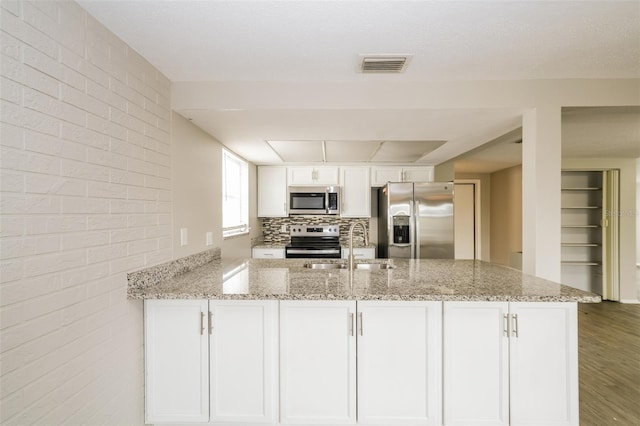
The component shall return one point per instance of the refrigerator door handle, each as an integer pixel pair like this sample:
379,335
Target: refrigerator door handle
416,234
412,225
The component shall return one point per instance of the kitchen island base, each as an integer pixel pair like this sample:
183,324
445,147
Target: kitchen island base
361,362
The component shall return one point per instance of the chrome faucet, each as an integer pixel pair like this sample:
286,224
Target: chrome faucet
366,239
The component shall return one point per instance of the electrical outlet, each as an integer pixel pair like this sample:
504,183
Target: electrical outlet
283,228
209,238
184,236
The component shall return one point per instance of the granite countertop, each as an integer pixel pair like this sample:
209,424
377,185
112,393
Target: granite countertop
288,279
283,245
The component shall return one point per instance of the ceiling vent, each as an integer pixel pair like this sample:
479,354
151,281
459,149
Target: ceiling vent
384,63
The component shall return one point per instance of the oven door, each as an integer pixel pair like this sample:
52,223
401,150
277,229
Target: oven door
312,253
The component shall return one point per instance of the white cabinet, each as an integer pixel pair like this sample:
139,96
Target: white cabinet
323,175
243,361
476,363
543,369
380,175
510,363
272,191
360,253
176,361
211,361
379,362
356,192
267,253
399,362
317,362
418,174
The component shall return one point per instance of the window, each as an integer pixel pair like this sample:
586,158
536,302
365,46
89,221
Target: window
235,197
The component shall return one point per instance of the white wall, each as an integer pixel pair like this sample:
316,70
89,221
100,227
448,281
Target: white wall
628,188
197,187
86,197
197,193
506,214
638,212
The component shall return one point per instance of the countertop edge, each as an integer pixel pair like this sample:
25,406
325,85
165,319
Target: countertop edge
385,297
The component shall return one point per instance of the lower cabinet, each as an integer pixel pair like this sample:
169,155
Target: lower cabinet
176,347
397,362
366,362
510,363
211,361
317,362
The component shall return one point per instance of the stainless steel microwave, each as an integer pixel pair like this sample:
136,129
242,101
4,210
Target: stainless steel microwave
314,200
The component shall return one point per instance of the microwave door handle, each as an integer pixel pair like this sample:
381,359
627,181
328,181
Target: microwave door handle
326,201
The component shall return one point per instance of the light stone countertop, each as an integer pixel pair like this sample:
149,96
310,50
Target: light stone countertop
283,245
287,279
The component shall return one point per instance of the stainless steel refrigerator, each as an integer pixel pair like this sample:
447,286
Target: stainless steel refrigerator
415,220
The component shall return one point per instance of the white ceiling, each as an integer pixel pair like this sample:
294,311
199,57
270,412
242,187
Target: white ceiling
587,132
248,43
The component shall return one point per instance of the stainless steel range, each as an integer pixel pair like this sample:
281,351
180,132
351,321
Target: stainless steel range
314,241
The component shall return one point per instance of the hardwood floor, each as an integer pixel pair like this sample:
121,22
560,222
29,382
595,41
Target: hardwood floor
609,359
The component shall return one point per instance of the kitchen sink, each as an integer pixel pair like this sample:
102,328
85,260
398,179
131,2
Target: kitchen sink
367,266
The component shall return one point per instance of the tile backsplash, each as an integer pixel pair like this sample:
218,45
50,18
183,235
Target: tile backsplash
271,228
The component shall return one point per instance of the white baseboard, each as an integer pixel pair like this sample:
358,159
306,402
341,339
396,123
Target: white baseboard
630,301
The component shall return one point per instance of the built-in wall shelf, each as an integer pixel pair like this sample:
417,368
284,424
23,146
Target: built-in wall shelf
581,234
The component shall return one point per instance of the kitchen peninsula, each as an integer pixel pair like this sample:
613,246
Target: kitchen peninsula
424,342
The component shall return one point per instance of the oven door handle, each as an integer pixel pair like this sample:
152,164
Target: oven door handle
313,251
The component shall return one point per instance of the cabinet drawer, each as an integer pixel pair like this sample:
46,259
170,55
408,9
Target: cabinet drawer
268,253
360,253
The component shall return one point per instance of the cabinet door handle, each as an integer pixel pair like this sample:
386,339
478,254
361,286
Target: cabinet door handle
505,325
515,325
210,322
360,318
351,318
201,323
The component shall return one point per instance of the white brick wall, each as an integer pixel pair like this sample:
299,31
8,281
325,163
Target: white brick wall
86,197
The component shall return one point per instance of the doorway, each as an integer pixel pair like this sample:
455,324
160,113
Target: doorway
466,201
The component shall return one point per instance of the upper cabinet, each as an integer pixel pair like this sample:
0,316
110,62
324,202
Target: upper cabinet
356,192
380,175
417,174
355,181
272,191
324,175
